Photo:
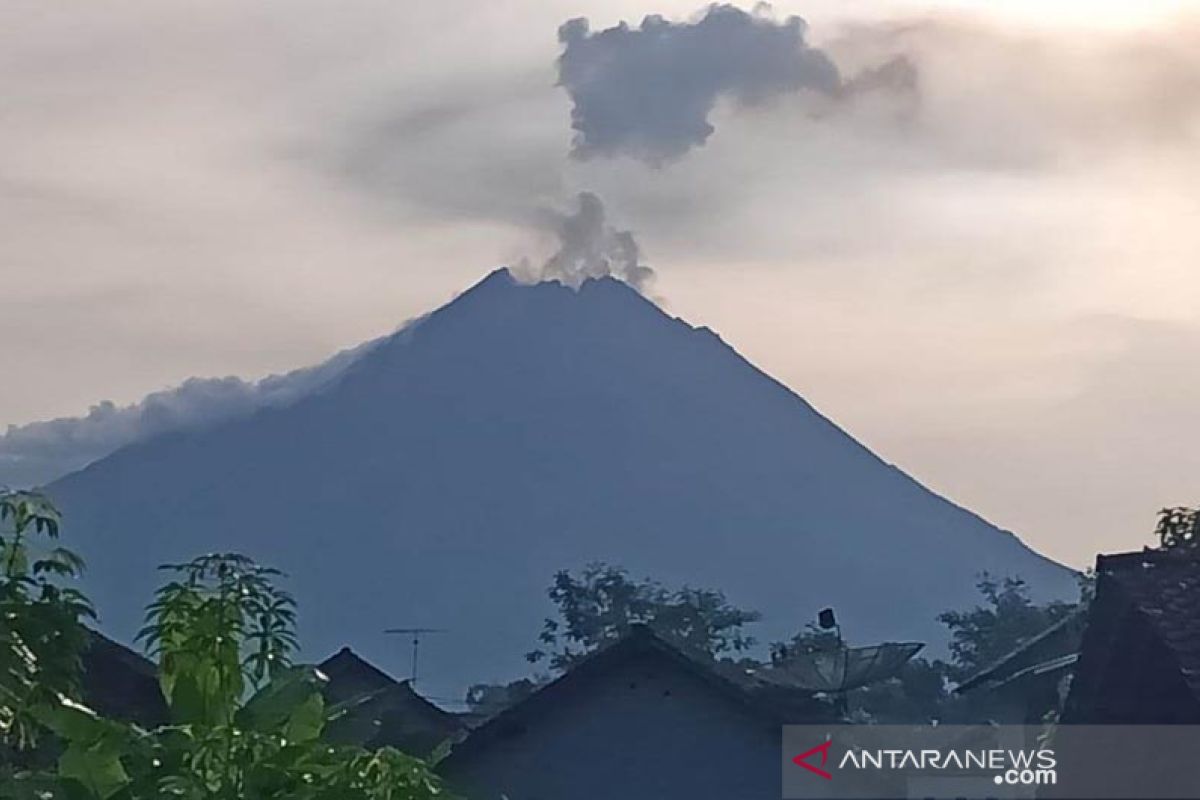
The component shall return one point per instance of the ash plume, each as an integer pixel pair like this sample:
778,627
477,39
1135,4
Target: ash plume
590,247
647,92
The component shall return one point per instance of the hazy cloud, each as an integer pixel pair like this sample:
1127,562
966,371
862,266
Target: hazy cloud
39,452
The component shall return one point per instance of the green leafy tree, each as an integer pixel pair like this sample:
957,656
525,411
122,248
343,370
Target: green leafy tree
1007,617
40,612
1178,528
245,722
599,605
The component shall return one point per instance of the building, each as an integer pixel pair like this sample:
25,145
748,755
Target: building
1140,657
114,681
119,683
1032,680
639,720
371,709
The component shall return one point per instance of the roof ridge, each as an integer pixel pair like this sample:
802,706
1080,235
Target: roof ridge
640,637
1155,554
346,653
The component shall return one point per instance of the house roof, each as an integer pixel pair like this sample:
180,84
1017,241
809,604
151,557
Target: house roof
773,703
1053,644
1164,587
1050,666
1140,658
372,709
350,675
120,683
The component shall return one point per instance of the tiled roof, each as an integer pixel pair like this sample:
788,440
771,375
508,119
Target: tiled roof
1051,645
120,683
372,709
350,675
1053,665
1164,586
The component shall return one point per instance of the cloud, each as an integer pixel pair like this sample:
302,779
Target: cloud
39,452
590,247
165,171
1083,468
489,150
648,92
1038,98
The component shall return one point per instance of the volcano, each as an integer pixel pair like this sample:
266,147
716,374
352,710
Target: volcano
444,477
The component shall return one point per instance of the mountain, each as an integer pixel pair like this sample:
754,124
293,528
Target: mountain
448,472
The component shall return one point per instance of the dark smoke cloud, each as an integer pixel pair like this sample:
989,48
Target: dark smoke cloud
590,247
648,91
39,452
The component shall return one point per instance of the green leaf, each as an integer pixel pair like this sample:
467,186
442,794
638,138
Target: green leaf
31,787
97,767
72,722
290,704
199,695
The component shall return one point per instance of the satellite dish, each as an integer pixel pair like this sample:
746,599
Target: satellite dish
844,668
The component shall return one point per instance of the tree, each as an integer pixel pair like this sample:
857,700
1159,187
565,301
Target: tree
246,723
599,605
1178,528
40,612
810,639
982,635
915,695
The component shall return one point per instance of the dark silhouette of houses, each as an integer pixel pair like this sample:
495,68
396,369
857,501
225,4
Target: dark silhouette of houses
372,709
640,720
1140,658
1032,679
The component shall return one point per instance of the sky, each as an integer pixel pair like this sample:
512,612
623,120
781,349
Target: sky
966,231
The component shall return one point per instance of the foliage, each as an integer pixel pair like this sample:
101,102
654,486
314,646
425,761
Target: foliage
245,723
982,635
217,628
1178,528
272,751
915,695
40,613
600,604
810,639
1086,582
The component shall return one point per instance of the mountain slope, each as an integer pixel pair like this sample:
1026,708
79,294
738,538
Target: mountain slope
524,429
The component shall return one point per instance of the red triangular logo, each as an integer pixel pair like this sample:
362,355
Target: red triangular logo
802,759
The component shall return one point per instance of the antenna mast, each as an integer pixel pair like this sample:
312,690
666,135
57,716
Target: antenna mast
416,634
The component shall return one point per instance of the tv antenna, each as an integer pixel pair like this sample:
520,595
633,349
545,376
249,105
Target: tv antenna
416,634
